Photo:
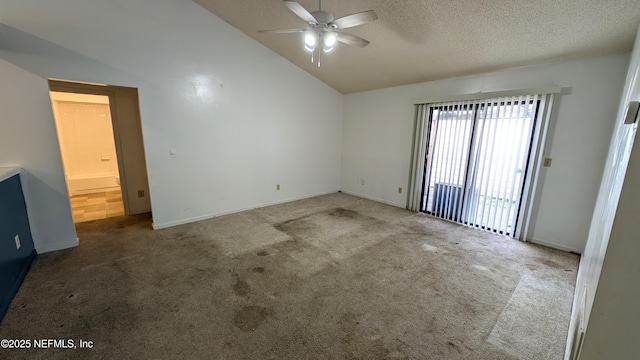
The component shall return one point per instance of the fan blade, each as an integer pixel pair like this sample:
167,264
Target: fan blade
354,20
301,12
281,31
351,39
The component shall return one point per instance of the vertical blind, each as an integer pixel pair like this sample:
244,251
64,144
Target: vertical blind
474,161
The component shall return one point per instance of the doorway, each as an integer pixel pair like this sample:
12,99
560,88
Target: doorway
479,160
85,133
100,135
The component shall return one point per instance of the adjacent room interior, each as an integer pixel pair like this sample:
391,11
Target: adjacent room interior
88,150
281,179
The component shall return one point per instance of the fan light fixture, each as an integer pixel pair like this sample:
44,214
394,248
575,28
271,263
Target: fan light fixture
329,39
324,30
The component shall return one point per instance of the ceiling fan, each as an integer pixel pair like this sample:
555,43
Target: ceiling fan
323,29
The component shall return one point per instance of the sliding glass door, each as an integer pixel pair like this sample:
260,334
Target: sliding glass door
476,162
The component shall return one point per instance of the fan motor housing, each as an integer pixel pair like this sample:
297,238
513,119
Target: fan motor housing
323,17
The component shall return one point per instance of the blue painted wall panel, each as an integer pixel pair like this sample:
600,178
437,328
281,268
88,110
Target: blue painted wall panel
14,262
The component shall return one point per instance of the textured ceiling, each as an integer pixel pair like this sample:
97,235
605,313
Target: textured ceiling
421,40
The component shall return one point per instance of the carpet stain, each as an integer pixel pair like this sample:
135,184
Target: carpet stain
297,228
532,267
344,213
454,346
348,324
550,263
262,253
258,269
241,288
250,317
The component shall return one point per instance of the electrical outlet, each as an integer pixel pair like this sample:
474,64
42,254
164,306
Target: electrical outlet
547,162
399,190
278,187
140,193
17,239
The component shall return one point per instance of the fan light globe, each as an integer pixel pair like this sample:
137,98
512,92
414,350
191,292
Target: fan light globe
310,40
329,40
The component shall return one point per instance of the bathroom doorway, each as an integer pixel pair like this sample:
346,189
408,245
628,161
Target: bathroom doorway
101,141
87,144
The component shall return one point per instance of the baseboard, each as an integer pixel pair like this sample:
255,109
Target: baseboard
57,246
372,198
555,246
211,216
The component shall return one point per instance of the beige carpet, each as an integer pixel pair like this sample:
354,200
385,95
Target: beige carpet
331,277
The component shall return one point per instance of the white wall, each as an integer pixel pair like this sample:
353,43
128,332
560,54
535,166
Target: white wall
26,120
609,267
378,130
241,118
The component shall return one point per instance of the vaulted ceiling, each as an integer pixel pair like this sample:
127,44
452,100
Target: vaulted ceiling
421,40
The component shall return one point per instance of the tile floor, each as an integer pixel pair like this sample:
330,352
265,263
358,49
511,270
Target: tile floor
95,206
